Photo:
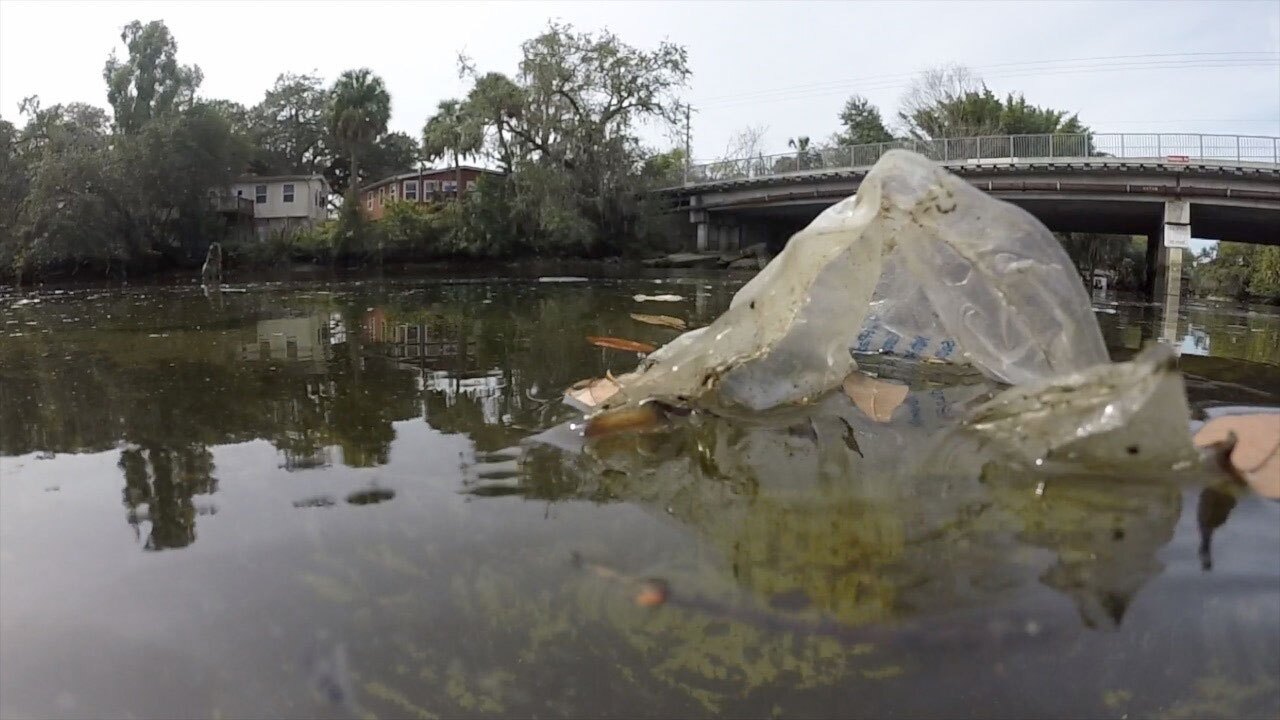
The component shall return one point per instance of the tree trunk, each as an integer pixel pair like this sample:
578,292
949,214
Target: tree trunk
457,175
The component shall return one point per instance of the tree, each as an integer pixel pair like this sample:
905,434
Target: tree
862,124
291,126
454,129
361,109
565,128
149,83
952,102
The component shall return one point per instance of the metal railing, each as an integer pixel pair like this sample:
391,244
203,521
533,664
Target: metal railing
1010,148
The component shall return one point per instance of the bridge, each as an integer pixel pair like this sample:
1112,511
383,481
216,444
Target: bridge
1168,187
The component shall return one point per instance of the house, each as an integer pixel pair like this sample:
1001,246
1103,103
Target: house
431,185
284,203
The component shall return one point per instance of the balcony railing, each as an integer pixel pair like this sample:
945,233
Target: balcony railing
231,204
1175,147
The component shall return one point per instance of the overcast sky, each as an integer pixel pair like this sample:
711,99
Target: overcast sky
785,65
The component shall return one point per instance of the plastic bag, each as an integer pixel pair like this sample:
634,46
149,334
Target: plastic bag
1116,414
978,277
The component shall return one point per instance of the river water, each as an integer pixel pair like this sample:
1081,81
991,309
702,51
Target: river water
364,499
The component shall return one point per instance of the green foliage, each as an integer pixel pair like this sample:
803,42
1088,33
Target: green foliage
149,83
861,123
361,108
1238,271
1123,255
290,127
565,129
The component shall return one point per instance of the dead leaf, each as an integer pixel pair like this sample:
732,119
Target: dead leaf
621,344
632,419
1255,458
674,323
875,397
587,394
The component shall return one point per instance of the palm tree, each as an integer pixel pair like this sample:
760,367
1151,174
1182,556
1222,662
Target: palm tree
361,108
452,130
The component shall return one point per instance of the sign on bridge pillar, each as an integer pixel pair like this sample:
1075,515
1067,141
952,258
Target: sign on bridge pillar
1176,237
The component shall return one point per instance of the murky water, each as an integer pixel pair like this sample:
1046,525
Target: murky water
362,499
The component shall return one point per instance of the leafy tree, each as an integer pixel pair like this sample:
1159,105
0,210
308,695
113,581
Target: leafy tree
861,123
291,126
361,109
952,102
149,83
564,127
453,130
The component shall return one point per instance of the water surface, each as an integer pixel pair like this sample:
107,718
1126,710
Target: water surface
365,499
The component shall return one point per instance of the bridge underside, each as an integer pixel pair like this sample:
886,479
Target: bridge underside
1242,223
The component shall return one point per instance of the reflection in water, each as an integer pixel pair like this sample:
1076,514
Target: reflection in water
159,485
807,563
858,530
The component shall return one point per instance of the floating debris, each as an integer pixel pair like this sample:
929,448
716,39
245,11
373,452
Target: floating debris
567,279
371,496
674,323
585,395
657,298
874,397
318,501
647,416
614,343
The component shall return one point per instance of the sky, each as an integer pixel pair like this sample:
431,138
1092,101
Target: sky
784,66
787,67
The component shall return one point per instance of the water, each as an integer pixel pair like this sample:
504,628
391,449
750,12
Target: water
361,500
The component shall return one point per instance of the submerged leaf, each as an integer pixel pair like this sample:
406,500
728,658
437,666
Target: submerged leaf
586,394
621,344
1255,456
661,320
631,419
873,396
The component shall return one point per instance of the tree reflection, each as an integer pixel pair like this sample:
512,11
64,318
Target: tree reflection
159,485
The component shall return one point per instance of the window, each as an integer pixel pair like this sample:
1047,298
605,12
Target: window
428,186
449,186
260,194
394,186
382,194
369,201
288,192
411,190
471,185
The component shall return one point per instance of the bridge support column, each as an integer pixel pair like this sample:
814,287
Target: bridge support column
1165,250
715,236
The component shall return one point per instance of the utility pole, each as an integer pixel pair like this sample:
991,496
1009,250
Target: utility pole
688,140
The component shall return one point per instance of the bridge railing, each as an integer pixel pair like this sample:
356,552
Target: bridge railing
1132,146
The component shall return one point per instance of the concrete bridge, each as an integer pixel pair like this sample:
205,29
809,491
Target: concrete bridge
1167,187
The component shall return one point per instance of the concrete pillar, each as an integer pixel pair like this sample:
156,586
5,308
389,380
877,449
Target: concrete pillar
1165,247
1175,236
704,236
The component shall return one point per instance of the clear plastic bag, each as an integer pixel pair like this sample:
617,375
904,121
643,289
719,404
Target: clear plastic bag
964,275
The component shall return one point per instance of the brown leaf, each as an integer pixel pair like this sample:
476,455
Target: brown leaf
875,397
588,394
1255,458
630,419
661,320
621,344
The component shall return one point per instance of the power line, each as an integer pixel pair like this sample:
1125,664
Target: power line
748,99
1270,54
